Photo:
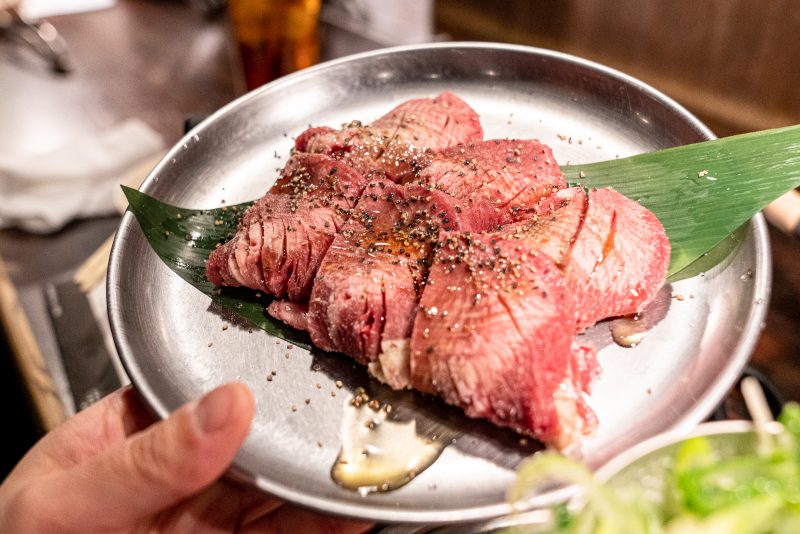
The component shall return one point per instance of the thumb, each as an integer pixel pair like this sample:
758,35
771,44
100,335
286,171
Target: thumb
158,467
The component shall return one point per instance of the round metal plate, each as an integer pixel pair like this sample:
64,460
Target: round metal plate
174,347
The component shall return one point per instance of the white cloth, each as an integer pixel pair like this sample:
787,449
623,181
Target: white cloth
38,9
41,194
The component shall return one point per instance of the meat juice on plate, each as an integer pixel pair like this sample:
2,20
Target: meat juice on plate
628,331
379,454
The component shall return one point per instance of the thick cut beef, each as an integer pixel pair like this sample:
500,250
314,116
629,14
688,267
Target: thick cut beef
554,229
494,336
397,144
551,233
619,260
504,178
366,291
283,237
614,252
455,266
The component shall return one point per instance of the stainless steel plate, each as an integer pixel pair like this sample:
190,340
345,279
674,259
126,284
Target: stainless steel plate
173,343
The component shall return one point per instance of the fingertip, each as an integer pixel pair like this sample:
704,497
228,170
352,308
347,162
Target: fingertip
227,408
246,397
222,419
245,406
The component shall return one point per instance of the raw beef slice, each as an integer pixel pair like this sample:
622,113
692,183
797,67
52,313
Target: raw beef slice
619,260
504,179
494,333
397,144
366,292
283,237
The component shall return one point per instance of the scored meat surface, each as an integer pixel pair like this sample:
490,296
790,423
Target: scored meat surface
493,335
455,266
500,177
398,144
553,231
367,288
283,237
619,259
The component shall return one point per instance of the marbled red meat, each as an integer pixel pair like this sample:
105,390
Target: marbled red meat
614,252
503,178
500,309
366,292
494,336
619,260
283,237
399,143
553,231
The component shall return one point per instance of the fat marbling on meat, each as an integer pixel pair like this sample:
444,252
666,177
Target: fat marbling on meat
493,335
619,259
367,289
506,178
283,237
398,144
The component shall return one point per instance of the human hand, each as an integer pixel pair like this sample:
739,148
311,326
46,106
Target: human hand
111,469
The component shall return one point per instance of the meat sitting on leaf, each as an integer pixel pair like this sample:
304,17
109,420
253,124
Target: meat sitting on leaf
283,237
451,265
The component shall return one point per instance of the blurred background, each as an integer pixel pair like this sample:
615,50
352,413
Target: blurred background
73,72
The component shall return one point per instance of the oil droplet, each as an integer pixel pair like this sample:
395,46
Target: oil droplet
379,454
629,331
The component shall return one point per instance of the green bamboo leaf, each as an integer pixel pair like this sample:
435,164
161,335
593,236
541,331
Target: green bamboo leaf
184,238
703,192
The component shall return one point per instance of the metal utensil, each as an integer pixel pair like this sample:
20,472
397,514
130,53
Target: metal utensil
87,363
41,36
174,345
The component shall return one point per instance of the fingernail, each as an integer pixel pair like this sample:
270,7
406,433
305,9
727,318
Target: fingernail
214,411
